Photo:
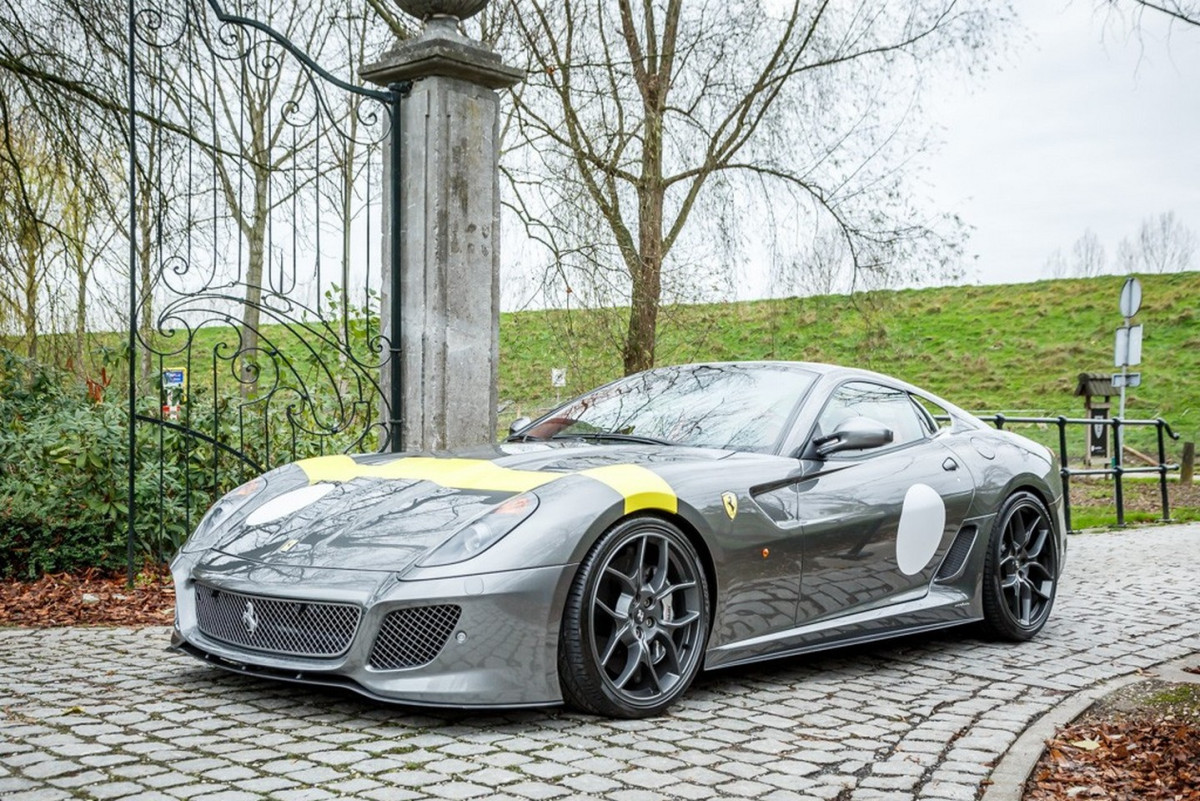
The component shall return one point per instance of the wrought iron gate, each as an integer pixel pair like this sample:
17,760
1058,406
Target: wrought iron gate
256,185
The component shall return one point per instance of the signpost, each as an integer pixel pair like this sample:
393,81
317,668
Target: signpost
1127,352
558,380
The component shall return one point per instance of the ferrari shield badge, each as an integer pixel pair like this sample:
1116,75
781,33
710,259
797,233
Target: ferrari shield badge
730,501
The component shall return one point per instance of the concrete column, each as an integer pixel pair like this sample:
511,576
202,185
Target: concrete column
449,254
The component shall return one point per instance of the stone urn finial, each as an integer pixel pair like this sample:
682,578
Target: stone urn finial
434,9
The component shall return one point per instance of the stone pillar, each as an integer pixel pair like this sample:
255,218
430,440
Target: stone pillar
449,253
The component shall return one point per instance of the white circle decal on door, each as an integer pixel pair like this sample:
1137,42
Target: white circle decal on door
922,519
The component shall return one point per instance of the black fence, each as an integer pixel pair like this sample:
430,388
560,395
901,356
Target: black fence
1116,469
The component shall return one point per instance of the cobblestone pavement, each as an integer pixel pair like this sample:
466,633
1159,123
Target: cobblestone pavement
106,713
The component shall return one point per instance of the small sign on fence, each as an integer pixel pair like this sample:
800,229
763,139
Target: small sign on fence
174,391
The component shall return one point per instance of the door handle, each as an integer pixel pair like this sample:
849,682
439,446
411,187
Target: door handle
949,464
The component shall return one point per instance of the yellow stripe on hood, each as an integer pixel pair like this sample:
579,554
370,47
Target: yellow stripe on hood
641,488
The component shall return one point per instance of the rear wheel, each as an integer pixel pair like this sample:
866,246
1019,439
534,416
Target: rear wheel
636,621
1021,569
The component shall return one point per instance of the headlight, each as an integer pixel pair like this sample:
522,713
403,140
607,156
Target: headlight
222,510
482,533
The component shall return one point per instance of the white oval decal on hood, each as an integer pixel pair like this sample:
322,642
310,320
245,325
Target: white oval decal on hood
288,503
922,520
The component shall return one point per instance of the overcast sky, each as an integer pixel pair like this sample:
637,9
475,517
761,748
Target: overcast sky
1086,125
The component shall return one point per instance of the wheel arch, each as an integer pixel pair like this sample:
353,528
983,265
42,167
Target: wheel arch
682,519
1040,490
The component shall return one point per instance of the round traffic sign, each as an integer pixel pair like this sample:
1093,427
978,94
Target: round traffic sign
1131,297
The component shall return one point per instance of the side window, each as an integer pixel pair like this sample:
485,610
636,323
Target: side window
890,407
936,418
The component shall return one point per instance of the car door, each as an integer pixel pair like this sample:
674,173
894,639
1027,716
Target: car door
876,521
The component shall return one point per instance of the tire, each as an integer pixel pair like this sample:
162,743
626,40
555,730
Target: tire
1020,572
635,623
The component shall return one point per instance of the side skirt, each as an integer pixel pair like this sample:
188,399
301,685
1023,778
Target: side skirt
933,612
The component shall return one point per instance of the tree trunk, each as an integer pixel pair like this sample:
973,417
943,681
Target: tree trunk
256,237
31,298
647,291
81,279
646,272
30,254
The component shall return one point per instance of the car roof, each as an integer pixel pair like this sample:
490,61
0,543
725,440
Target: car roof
820,368
834,372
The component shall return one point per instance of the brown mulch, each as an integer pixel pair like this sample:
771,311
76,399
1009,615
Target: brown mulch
1148,756
91,598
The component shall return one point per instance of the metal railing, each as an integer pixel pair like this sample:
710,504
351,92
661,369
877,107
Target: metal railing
1116,469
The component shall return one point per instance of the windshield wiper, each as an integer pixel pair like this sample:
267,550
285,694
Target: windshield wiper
523,438
613,436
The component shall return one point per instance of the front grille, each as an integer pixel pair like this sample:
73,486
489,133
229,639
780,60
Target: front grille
276,625
957,555
412,637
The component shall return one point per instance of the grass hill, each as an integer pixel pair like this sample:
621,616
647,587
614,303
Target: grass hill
1012,348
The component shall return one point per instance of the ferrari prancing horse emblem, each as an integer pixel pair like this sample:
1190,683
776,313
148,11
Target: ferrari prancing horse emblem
730,501
250,618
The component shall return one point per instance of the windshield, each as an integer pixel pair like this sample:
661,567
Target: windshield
729,406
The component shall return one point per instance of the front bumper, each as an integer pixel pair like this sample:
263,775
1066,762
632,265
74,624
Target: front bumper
501,653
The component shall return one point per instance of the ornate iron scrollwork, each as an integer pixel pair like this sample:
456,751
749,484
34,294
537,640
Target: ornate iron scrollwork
257,226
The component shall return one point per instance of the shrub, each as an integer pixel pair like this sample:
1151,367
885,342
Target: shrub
64,477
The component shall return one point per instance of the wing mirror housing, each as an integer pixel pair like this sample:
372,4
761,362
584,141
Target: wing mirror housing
519,425
854,434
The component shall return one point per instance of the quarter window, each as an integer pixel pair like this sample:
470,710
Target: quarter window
938,419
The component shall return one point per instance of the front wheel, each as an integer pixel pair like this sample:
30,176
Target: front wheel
1020,573
636,621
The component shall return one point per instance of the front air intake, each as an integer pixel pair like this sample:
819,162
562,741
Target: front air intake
413,637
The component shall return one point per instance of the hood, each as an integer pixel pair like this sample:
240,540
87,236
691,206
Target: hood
385,511
358,524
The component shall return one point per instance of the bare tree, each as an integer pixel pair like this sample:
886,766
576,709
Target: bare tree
823,269
1183,11
1056,265
1087,255
650,114
1165,244
56,129
1127,257
29,185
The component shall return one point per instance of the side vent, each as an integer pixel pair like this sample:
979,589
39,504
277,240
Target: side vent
956,557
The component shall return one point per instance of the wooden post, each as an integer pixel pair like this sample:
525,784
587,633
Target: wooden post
1187,465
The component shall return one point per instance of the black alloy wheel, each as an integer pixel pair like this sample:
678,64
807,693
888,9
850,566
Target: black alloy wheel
1021,569
636,621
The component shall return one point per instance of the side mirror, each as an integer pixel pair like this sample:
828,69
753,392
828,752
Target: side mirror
854,434
518,425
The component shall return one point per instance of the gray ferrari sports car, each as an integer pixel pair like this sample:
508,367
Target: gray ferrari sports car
682,518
